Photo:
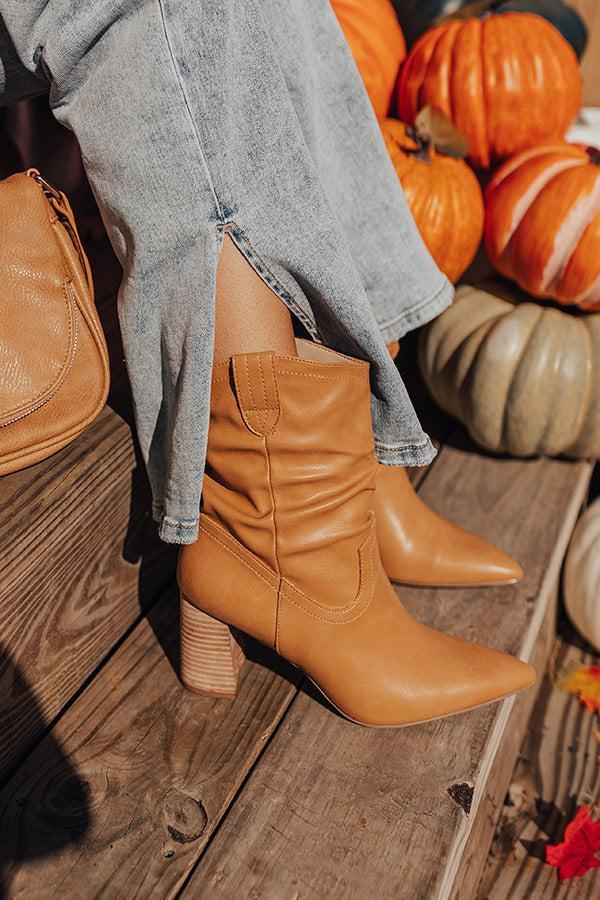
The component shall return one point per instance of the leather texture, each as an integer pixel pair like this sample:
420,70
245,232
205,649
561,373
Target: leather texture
288,552
54,372
420,547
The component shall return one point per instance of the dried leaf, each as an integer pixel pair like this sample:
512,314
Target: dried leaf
585,682
445,137
576,855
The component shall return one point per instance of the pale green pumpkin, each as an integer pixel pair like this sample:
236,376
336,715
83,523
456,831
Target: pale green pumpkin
523,378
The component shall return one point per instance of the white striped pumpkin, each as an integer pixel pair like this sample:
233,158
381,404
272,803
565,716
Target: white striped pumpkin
543,222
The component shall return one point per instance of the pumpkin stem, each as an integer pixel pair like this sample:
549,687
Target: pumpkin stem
594,155
422,151
482,9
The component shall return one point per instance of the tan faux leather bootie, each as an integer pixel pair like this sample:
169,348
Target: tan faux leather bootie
419,547
288,552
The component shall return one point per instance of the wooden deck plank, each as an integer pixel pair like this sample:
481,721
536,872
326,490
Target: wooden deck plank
79,560
334,809
115,797
558,770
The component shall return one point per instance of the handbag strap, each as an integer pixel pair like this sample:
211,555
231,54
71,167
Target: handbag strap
61,206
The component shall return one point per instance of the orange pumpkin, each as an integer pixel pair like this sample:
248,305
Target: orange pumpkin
377,44
443,195
543,222
506,82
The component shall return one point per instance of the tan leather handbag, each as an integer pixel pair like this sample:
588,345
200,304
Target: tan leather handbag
54,373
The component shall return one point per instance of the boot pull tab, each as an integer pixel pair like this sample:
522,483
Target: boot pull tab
256,390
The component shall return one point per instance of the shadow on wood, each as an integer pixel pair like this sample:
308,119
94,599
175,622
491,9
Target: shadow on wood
55,813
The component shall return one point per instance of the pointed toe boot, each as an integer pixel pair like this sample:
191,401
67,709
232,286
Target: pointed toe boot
420,547
287,552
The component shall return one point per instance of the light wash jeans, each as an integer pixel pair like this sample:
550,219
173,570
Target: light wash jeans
199,117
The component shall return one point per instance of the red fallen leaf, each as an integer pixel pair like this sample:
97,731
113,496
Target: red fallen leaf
576,855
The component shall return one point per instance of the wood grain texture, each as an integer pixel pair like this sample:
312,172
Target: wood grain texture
122,795
590,10
559,770
78,561
334,809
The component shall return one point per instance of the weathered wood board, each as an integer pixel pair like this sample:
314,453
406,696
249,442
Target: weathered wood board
333,809
123,794
559,769
79,560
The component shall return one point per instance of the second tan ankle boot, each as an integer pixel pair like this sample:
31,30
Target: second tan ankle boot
288,552
419,547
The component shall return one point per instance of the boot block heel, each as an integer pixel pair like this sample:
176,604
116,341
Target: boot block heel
211,657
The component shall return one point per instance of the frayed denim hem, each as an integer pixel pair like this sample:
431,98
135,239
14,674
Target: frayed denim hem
418,315
174,530
413,456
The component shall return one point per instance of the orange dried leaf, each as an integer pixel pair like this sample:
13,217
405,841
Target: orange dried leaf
585,682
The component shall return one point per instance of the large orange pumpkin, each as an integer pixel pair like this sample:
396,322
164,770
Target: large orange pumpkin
543,222
377,44
443,195
506,81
